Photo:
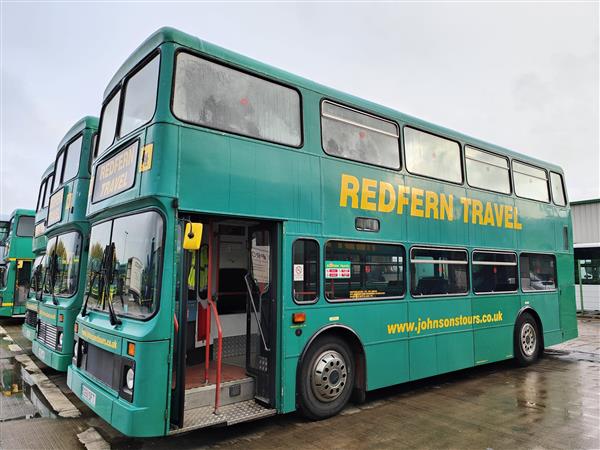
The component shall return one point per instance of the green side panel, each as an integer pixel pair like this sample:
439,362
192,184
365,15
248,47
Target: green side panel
493,341
546,305
553,338
454,351
493,344
423,359
567,305
387,364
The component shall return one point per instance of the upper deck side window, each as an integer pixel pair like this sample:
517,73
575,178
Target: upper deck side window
138,101
351,134
41,194
73,153
558,189
47,192
140,97
487,171
108,122
215,96
530,182
58,170
432,156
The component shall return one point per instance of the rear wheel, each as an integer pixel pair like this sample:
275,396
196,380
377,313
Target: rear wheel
527,340
326,378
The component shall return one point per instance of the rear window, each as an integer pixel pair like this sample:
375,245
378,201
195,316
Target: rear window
219,97
558,191
25,226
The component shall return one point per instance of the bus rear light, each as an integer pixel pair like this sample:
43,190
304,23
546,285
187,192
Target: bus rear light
131,349
299,317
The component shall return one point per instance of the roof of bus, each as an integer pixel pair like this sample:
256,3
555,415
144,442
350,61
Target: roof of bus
22,212
81,124
48,170
168,34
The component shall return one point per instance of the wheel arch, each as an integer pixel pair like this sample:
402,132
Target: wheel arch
353,340
538,321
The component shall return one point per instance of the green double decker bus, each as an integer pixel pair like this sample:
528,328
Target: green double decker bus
39,250
18,258
61,278
262,244
62,270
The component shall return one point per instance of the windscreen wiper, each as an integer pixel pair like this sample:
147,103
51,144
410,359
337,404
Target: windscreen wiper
35,279
53,276
108,279
96,274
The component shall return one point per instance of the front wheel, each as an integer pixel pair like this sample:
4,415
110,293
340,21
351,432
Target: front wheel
326,378
527,340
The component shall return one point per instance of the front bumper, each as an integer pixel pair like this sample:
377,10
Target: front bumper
50,357
128,419
28,332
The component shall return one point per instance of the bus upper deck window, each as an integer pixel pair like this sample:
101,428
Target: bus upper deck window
140,97
108,121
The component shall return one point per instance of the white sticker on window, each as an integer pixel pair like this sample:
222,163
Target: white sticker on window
298,272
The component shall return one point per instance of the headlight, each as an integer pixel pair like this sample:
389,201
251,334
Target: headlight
129,378
76,350
60,340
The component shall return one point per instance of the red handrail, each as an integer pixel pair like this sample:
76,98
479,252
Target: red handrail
207,324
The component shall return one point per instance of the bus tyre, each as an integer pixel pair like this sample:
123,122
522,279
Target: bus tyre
326,378
527,340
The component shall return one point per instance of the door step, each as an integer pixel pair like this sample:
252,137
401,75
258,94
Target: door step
231,392
228,415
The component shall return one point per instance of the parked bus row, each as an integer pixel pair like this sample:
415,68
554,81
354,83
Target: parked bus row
240,242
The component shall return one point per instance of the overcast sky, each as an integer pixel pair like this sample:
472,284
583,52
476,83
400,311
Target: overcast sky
524,76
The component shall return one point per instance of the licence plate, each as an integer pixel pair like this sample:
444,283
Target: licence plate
88,395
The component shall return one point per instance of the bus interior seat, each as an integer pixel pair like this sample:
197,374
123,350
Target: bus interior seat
432,285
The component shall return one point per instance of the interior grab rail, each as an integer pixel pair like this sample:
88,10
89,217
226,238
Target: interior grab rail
262,335
219,353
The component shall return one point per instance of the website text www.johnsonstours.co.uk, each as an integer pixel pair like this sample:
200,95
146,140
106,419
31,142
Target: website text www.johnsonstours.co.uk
436,324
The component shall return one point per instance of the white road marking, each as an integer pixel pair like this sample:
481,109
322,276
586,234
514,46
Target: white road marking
58,401
14,348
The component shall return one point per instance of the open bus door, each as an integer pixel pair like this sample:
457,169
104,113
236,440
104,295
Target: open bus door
261,312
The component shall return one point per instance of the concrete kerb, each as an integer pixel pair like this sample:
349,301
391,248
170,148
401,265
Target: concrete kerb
58,401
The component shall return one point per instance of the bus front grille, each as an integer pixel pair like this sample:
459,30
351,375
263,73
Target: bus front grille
47,334
101,364
31,318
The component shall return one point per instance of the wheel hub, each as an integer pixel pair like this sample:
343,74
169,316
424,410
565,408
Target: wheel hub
528,339
328,376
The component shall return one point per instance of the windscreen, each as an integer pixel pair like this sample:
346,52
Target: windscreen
60,266
126,274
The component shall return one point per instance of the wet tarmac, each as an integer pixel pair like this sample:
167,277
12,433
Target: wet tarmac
552,404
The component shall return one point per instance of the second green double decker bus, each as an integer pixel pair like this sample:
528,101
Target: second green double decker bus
39,250
62,271
261,244
18,258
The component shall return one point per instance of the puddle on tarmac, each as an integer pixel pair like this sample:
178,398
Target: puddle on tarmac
19,397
